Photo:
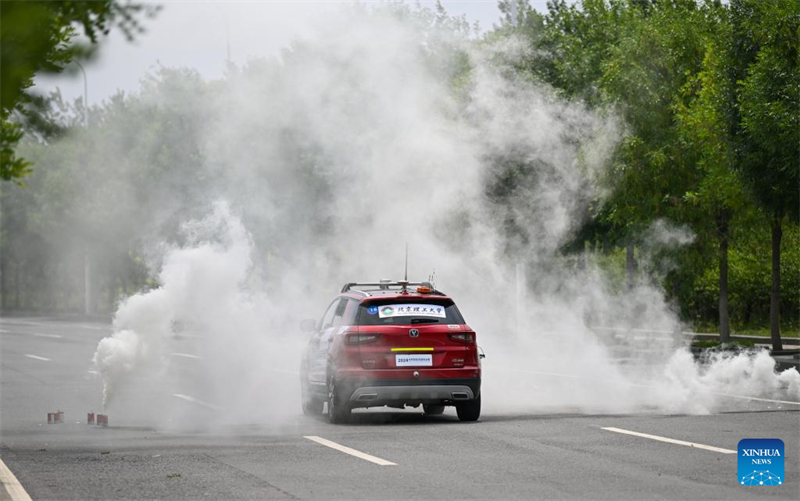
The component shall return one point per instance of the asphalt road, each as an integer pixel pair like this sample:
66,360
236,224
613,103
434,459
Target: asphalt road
45,367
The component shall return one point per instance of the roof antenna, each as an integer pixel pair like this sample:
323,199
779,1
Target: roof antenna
406,274
404,282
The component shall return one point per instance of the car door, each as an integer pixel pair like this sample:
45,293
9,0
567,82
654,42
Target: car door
321,340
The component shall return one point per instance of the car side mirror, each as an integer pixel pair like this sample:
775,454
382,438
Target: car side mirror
308,325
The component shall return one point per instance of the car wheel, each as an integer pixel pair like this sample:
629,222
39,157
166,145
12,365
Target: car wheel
432,409
338,411
469,411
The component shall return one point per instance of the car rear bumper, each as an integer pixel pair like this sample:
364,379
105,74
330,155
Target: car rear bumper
379,392
427,393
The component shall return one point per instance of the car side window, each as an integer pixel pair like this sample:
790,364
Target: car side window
350,313
339,313
327,319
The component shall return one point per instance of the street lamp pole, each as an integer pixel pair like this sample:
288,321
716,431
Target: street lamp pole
87,264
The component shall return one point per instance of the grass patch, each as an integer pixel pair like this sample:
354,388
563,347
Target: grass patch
791,331
714,344
765,333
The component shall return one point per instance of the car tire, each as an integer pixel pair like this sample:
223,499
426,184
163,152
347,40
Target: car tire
338,411
469,411
432,409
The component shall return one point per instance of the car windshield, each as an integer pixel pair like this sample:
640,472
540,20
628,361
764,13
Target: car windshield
412,311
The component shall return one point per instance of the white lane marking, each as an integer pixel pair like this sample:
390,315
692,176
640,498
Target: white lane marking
23,322
36,334
186,355
90,371
671,440
283,371
183,335
52,336
37,357
35,324
54,323
96,327
12,485
197,401
352,452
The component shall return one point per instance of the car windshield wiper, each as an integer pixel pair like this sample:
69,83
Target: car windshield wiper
424,321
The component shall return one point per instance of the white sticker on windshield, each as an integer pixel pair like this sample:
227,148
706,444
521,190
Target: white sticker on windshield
412,310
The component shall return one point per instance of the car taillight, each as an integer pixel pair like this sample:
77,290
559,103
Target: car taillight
353,339
463,337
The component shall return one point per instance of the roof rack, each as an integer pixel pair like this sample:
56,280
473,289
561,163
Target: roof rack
386,285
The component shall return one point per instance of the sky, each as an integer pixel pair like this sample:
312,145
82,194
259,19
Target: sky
196,34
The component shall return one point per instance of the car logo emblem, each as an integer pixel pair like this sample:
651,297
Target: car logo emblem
413,333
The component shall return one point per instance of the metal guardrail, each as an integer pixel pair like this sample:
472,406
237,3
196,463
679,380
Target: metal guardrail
709,336
792,341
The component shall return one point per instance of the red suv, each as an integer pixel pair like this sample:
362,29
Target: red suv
391,344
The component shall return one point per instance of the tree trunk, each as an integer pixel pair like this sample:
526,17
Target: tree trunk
630,264
87,282
16,287
112,291
3,286
775,290
724,319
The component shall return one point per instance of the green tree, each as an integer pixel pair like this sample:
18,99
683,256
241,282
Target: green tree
43,36
666,68
702,130
657,48
762,54
106,192
575,45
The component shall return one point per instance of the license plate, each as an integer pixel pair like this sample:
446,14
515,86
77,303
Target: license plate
413,360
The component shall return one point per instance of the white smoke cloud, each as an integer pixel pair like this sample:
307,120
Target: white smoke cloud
379,130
